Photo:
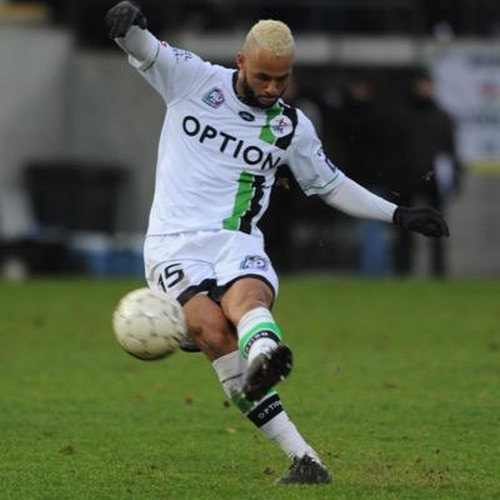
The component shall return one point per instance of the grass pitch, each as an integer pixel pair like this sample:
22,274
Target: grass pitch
395,383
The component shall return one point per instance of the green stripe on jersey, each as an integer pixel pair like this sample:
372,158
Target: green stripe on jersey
266,134
242,202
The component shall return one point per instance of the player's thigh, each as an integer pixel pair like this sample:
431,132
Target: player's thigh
181,267
172,268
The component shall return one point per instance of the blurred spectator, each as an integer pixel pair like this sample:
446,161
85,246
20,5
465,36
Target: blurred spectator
358,143
428,171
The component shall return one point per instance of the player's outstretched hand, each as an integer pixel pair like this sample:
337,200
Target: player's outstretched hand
426,221
122,16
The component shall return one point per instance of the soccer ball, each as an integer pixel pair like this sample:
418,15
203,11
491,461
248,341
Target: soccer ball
149,326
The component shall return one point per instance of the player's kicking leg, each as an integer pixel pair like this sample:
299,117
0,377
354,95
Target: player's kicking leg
216,337
269,416
249,376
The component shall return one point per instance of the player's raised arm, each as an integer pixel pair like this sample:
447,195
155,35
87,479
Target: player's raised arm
127,25
173,72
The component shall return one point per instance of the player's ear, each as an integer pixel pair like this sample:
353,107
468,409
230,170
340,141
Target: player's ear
240,60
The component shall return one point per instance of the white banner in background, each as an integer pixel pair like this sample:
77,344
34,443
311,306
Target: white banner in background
468,86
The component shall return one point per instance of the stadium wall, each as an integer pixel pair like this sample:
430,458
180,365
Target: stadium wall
33,107
61,102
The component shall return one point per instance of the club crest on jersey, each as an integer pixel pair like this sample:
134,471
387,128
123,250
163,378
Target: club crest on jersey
254,262
214,98
281,126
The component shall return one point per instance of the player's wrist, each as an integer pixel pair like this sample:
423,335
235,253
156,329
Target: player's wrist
141,45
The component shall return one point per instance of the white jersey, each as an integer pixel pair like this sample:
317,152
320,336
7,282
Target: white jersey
218,157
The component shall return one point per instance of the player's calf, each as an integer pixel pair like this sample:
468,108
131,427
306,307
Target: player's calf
269,361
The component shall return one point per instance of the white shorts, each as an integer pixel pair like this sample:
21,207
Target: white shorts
186,264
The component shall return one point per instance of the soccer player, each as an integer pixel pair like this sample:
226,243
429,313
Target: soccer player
225,134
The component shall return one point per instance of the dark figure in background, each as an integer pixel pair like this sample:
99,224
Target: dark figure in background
429,170
359,142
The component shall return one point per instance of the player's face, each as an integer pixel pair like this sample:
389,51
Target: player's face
263,76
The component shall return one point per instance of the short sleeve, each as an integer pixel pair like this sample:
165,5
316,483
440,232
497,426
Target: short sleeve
173,72
313,170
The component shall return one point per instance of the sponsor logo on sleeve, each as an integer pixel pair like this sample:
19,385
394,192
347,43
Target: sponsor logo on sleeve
181,54
322,156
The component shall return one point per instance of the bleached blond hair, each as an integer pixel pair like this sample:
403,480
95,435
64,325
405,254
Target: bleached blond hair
273,35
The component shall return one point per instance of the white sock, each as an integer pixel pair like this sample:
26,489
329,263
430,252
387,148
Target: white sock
231,370
284,433
267,414
258,333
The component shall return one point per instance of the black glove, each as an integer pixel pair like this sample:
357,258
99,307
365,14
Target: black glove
427,221
122,16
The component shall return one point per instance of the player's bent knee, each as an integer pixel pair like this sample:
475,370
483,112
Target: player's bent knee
245,295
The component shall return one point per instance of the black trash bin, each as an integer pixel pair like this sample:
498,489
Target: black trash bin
74,196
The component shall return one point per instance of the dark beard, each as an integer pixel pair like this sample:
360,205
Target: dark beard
249,98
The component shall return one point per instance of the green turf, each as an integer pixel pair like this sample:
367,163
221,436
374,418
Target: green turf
397,384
